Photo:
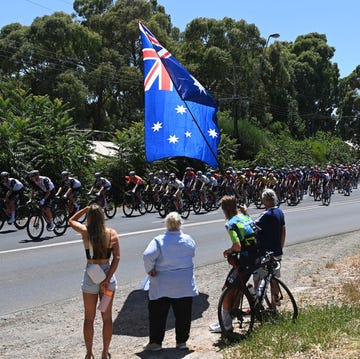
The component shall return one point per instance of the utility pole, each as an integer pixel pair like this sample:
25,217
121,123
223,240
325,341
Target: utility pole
235,98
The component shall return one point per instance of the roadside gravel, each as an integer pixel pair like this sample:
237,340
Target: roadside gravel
54,331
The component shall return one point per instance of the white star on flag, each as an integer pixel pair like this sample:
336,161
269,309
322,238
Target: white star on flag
180,109
173,139
157,126
198,85
188,134
212,133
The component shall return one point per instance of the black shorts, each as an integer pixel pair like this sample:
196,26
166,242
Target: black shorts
244,260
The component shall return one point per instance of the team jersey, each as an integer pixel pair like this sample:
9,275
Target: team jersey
72,183
102,182
241,229
43,184
12,184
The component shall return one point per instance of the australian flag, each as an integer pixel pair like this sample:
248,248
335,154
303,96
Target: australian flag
180,115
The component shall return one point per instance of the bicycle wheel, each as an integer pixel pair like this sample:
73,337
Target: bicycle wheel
197,206
149,206
35,226
185,210
326,198
110,209
128,206
21,217
242,313
284,308
61,222
163,208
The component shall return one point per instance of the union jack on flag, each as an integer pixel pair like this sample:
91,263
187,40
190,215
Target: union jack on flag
181,122
157,71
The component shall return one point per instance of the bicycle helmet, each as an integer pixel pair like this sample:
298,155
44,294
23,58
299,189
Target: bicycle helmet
172,176
4,174
65,173
151,174
199,173
132,173
34,173
97,175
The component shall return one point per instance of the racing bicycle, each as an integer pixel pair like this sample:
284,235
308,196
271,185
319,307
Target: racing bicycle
251,308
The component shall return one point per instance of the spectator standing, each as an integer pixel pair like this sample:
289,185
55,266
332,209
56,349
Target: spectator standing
168,260
100,244
271,236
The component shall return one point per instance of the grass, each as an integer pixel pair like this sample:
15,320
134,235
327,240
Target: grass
327,329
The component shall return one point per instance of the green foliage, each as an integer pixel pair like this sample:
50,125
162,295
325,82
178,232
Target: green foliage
321,150
282,94
36,132
251,138
317,328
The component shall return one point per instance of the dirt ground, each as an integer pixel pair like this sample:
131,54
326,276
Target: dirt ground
55,331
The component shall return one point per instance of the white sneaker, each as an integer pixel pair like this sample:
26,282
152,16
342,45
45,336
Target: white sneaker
153,347
216,328
50,226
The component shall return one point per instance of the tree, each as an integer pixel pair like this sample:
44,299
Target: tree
348,112
36,132
315,80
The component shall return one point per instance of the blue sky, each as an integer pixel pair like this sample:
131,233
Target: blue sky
338,20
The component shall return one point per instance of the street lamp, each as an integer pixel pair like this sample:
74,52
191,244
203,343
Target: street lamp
275,36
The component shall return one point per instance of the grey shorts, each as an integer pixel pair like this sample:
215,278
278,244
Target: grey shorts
88,286
261,272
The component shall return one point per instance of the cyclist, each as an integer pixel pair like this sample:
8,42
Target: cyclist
213,185
200,184
175,187
13,190
43,186
153,184
73,190
138,186
103,187
228,183
243,251
188,177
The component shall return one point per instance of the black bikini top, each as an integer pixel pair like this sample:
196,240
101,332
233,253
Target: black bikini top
90,251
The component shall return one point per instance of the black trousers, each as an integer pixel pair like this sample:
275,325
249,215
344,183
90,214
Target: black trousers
158,312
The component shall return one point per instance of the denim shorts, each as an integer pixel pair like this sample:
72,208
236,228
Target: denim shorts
88,286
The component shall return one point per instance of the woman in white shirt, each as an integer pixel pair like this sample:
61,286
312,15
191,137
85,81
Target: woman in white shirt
168,260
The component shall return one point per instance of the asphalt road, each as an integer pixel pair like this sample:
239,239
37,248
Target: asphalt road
50,269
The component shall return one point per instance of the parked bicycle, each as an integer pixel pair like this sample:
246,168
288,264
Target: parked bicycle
249,308
36,222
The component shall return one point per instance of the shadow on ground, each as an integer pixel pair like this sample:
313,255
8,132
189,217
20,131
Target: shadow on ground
132,319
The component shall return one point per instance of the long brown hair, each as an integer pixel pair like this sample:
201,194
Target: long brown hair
96,229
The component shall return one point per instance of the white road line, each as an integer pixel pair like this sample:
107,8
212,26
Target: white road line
295,209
